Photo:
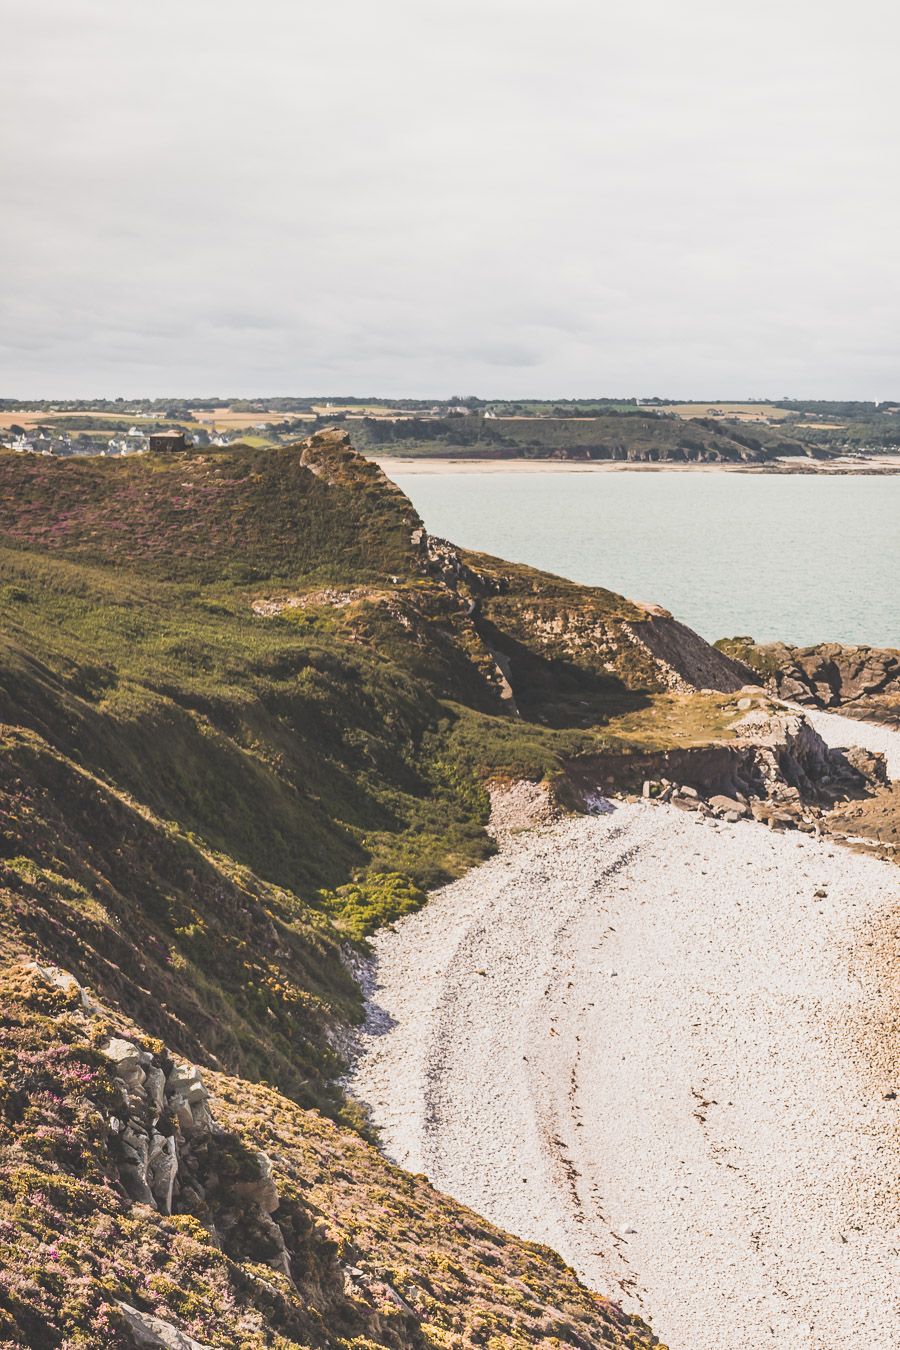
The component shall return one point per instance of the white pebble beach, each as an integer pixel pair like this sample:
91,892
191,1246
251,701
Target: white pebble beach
665,1046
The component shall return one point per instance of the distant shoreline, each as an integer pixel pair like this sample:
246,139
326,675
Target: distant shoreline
400,464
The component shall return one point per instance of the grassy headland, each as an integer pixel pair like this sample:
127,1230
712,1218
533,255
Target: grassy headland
249,710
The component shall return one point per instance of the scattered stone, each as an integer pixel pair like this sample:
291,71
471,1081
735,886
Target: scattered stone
724,805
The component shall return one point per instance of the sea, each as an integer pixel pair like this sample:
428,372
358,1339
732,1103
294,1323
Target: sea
801,558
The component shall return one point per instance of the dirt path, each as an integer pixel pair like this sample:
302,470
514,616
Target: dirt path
660,1045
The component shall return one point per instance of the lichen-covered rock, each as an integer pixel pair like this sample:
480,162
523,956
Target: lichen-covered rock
124,1055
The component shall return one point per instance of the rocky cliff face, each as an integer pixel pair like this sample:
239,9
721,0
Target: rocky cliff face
573,652
862,681
686,661
771,765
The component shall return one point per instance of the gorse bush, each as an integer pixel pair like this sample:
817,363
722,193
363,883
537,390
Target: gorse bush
361,907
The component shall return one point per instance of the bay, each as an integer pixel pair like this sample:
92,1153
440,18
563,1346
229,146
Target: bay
803,558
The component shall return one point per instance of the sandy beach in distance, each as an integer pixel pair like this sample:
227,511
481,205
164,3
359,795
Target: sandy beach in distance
665,1046
400,464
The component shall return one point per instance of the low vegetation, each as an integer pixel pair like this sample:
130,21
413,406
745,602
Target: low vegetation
359,1255
249,713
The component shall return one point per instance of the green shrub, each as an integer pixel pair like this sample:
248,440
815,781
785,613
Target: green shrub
365,905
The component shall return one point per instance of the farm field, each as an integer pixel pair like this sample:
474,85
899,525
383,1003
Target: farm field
743,412
227,418
29,418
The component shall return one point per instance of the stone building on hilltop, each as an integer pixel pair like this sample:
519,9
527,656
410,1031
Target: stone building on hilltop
168,441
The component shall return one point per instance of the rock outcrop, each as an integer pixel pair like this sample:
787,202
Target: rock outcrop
167,1151
774,766
685,659
154,1333
860,680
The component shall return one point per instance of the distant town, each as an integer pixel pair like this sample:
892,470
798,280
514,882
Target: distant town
55,429
812,435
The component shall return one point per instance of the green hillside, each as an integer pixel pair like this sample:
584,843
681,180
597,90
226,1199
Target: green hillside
249,712
626,436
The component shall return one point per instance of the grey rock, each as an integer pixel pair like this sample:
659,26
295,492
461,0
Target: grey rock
184,1115
262,1191
162,1169
185,1080
201,1117
152,1333
123,1054
132,1176
155,1086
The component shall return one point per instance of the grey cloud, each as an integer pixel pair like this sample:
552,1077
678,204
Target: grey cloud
423,196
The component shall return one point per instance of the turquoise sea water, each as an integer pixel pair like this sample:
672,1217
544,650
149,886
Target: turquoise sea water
804,559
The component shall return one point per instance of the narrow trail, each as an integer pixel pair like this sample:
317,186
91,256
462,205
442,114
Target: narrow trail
662,1046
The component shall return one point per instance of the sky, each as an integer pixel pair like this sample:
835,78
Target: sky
555,198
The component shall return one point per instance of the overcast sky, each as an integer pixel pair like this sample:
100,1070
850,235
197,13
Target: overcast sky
503,197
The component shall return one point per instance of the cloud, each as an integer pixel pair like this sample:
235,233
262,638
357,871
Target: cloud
513,198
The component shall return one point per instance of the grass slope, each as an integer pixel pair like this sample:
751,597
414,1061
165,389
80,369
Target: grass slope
247,713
